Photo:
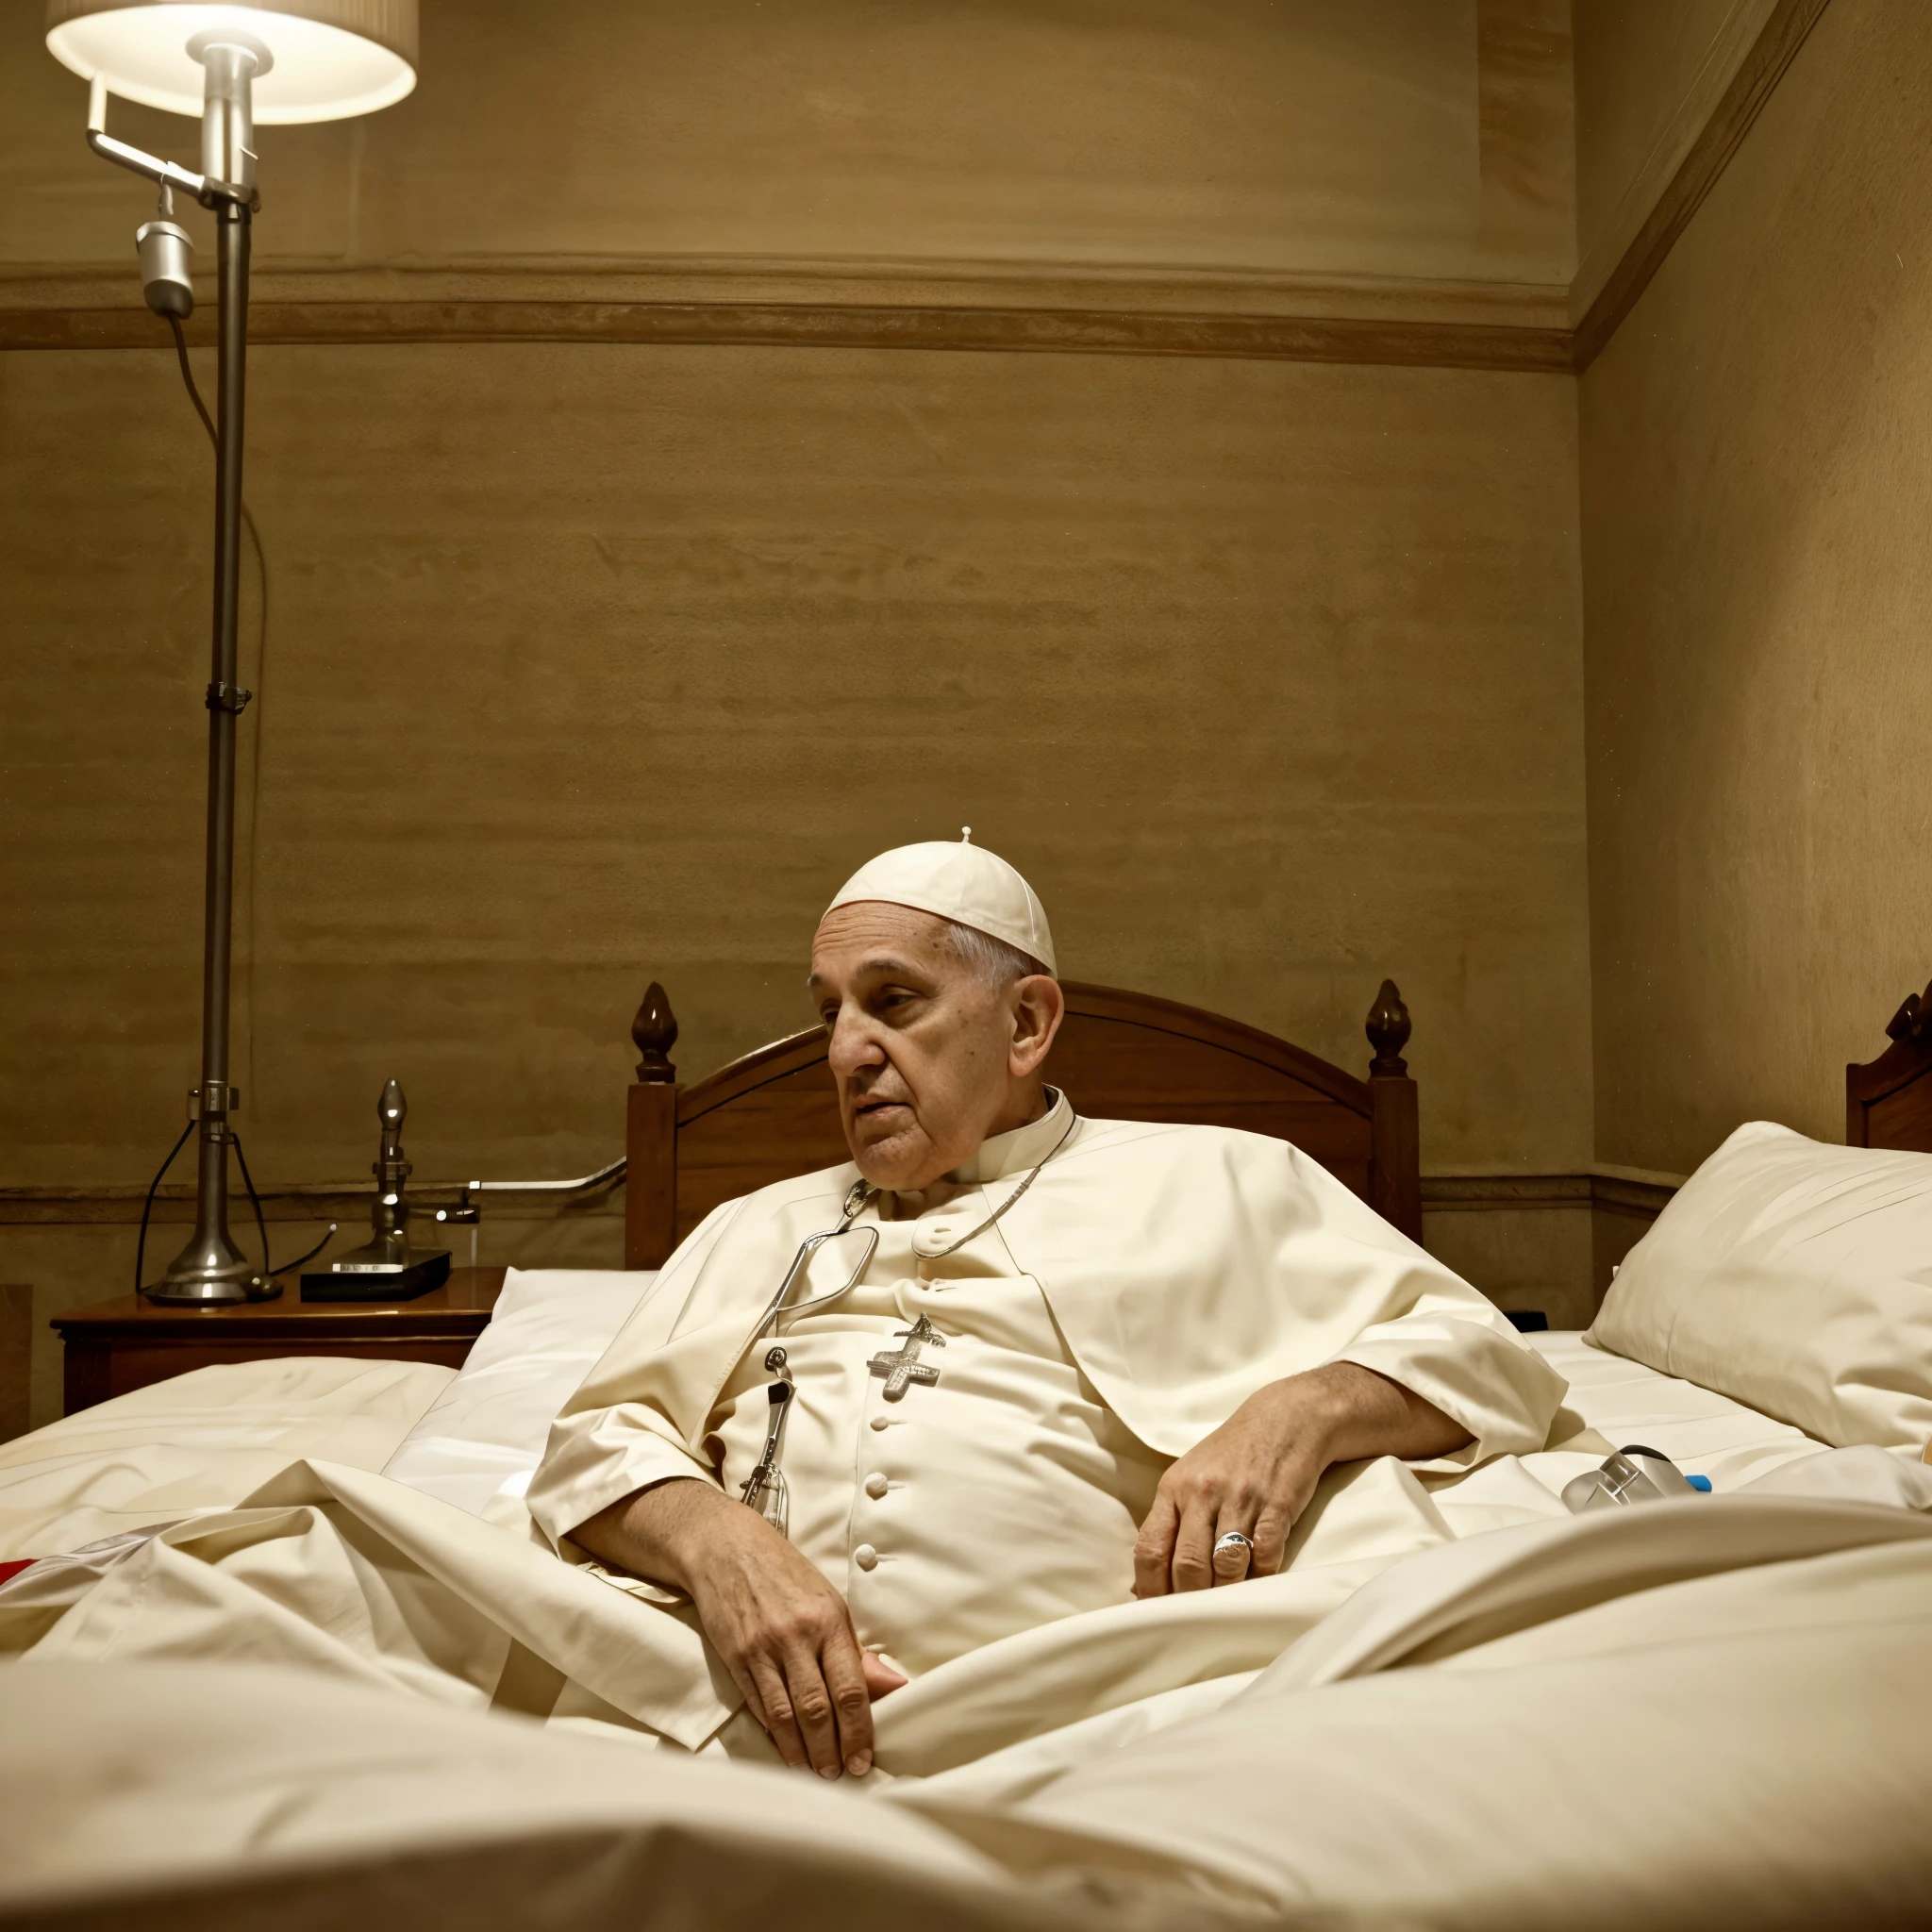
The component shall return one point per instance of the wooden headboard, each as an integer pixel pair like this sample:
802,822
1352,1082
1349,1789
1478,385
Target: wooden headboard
1119,1055
1888,1100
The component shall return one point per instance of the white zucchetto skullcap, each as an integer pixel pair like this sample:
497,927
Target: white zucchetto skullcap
958,882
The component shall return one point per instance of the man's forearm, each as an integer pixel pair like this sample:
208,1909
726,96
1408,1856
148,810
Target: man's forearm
1364,1414
652,1531
1256,1473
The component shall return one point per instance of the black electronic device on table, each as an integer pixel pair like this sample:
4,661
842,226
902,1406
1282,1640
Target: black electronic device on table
424,1271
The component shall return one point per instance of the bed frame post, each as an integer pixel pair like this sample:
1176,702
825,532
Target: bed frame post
650,1142
1395,1181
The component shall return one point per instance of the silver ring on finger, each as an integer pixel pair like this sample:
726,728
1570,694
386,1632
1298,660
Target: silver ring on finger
1234,1540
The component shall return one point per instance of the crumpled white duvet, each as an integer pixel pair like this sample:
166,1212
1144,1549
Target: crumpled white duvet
1459,1706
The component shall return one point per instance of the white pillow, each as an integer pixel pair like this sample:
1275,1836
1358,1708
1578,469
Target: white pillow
1795,1277
479,1443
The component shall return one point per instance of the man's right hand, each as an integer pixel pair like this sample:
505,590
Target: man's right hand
782,1630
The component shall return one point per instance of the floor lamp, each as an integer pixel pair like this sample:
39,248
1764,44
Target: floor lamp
231,66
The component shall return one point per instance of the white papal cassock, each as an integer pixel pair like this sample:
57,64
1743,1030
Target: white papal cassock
1150,1279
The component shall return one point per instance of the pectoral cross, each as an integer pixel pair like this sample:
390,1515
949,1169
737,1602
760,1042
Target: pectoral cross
902,1367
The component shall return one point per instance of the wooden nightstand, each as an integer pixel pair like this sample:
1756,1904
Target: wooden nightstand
119,1345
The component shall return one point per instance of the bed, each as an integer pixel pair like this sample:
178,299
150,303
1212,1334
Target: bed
1697,1712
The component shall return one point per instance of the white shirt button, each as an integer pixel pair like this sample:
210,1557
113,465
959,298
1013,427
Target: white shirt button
876,1486
866,1556
882,1421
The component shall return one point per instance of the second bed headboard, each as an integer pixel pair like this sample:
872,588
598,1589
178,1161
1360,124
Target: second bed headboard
1119,1055
1888,1100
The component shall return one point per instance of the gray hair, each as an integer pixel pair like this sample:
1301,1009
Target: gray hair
993,963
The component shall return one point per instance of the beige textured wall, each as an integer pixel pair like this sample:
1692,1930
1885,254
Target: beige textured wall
595,663
1757,495
592,663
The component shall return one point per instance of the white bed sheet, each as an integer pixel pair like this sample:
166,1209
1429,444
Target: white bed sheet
1257,1801
1702,1432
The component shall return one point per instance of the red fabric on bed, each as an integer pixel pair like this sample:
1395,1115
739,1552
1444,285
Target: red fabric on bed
10,1571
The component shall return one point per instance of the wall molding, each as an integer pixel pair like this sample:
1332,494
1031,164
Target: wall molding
1636,1192
1707,133
996,309
1729,50
1625,1189
319,1202
990,308
800,325
833,282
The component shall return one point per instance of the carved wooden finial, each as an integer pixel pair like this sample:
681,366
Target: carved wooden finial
655,1029
1388,1030
1913,1020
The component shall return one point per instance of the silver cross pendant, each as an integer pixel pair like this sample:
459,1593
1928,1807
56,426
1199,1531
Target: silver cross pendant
902,1367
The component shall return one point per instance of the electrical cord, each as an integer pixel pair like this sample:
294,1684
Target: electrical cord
147,1206
207,422
302,1260
253,1200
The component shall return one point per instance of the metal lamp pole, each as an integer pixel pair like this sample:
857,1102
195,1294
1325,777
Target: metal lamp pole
211,1267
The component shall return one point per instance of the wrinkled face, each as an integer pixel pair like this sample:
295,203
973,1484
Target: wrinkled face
923,1049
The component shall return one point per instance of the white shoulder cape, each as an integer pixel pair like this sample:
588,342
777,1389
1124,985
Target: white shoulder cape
1186,1267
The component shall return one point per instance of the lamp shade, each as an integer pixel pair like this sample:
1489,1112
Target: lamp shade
329,58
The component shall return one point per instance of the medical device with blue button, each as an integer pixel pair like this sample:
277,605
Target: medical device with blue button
1633,1474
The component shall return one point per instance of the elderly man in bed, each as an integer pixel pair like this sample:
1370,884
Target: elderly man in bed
1082,1361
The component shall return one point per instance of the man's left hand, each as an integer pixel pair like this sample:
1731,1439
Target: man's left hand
1256,1472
